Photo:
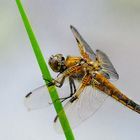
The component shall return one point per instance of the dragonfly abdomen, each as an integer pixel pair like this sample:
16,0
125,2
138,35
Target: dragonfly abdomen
112,91
126,101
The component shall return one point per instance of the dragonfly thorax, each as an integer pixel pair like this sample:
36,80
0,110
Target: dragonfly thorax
91,66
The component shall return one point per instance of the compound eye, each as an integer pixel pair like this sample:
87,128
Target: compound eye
54,64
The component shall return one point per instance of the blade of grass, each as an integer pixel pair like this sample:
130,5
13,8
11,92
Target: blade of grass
45,72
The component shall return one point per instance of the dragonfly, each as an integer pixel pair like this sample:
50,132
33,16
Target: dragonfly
89,77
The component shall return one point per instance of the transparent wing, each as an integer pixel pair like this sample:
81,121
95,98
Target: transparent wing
37,99
40,98
83,44
108,69
85,106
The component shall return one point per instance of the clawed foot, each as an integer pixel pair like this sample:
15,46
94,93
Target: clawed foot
49,82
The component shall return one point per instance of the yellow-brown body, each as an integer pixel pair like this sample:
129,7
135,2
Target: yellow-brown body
107,87
102,84
79,72
72,60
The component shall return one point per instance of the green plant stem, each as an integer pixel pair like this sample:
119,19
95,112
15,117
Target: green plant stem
46,74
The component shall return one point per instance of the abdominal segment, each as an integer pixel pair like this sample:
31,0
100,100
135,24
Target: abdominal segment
108,88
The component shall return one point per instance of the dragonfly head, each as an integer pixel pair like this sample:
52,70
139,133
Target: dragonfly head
57,63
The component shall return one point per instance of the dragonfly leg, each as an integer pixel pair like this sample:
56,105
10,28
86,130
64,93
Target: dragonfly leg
65,98
72,89
62,99
72,86
49,82
54,82
85,82
59,84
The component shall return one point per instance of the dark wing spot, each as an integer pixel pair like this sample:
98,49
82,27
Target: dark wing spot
55,119
77,41
28,94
